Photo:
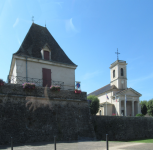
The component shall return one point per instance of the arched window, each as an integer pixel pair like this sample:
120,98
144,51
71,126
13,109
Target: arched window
122,74
113,73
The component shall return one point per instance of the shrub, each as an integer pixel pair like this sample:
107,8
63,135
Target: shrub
143,107
28,85
55,88
1,82
139,115
94,105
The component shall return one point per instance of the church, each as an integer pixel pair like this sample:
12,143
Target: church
42,61
115,98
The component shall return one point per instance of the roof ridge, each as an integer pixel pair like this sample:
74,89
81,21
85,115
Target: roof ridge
59,46
36,37
99,88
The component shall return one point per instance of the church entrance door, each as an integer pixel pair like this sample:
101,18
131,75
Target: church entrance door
122,112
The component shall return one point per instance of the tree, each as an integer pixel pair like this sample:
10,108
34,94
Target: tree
150,107
143,107
94,105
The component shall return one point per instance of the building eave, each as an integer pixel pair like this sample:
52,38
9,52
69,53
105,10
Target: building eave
123,92
12,64
33,59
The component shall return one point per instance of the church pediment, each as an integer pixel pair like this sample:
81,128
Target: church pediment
130,92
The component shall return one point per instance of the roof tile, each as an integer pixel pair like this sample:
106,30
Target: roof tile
102,90
34,41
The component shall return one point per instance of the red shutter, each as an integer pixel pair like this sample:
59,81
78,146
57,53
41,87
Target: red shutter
46,74
46,55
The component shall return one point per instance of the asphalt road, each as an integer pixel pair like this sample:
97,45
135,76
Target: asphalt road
87,145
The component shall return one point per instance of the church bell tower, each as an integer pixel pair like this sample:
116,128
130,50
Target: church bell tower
118,73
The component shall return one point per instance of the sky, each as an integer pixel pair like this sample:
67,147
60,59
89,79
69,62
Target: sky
89,32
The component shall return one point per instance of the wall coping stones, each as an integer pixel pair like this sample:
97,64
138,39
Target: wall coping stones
16,89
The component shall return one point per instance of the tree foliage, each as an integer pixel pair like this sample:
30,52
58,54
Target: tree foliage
150,107
94,105
143,107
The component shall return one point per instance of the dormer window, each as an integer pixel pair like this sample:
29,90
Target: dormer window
46,52
46,55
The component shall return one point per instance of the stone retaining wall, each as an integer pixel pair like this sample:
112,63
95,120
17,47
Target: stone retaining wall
122,128
34,117
15,89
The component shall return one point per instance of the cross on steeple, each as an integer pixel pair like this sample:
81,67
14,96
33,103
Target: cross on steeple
33,19
117,53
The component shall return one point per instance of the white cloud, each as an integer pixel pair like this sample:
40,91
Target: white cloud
90,75
135,59
19,42
70,26
59,3
16,22
139,80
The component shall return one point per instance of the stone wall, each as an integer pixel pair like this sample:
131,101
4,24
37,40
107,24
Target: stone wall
14,89
122,128
35,116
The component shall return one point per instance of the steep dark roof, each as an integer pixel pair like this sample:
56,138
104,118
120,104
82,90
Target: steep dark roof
102,90
35,40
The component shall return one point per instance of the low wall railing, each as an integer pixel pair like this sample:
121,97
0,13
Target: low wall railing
38,82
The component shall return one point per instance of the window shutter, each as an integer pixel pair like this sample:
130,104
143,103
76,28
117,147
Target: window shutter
46,73
46,55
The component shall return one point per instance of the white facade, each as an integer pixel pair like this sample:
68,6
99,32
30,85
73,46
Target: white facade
122,100
59,72
119,81
120,105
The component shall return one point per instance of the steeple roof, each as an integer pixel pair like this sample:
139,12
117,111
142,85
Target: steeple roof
35,40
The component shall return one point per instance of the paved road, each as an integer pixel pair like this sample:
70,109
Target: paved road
88,145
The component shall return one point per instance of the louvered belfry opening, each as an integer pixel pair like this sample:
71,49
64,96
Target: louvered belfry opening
46,74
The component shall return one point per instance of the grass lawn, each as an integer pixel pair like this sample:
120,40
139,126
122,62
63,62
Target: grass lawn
143,141
137,141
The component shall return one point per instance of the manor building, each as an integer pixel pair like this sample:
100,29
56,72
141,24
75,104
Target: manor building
115,98
41,60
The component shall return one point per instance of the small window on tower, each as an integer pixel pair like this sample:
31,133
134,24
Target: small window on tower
113,73
122,74
46,55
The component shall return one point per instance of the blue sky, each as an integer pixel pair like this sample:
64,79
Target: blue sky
89,31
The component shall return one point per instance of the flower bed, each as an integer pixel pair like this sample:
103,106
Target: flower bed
55,88
1,82
77,91
113,114
29,86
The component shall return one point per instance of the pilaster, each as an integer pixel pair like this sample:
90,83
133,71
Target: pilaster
119,108
132,108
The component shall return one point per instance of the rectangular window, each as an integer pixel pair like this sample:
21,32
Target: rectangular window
46,55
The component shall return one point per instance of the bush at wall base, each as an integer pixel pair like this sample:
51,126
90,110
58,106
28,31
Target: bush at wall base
1,82
139,115
55,88
29,86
